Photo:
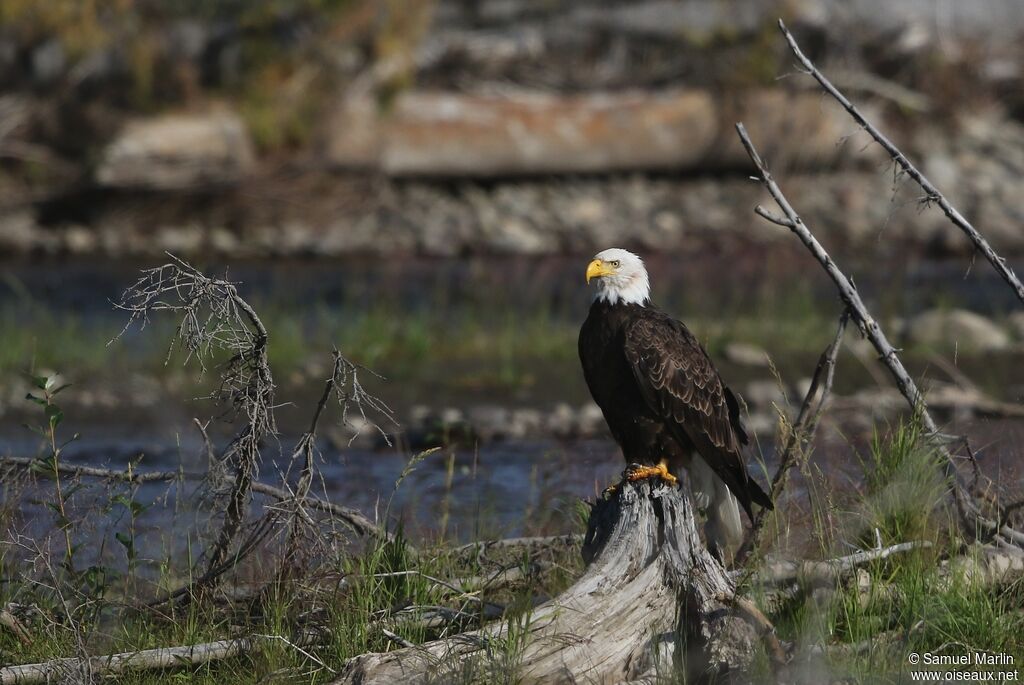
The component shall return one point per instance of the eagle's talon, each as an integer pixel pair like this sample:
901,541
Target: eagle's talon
636,472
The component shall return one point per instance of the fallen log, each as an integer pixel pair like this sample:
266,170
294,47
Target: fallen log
828,571
65,670
650,585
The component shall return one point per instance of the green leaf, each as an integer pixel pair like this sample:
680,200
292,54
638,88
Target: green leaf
38,400
43,465
54,414
96,578
128,542
135,507
39,381
36,429
61,388
62,520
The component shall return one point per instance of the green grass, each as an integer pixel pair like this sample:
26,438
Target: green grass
346,599
467,345
907,603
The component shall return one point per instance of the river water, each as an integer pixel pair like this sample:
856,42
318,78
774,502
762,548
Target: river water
476,489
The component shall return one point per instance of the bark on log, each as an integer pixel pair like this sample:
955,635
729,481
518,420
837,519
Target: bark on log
64,670
650,584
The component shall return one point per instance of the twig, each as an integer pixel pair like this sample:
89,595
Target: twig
543,541
776,654
11,623
396,638
304,450
353,518
130,476
800,435
931,192
871,330
359,523
297,647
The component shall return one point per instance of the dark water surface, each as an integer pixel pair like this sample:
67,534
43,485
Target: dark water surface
705,281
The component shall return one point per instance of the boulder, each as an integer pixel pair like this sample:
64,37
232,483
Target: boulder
178,152
1016,323
426,133
746,354
958,328
454,134
764,394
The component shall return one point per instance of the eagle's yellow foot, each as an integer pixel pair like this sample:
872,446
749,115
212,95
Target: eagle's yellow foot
641,472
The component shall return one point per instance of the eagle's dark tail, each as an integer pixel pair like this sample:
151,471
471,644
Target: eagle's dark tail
757,495
730,468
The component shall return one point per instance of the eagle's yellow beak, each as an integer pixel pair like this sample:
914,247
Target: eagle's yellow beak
597,269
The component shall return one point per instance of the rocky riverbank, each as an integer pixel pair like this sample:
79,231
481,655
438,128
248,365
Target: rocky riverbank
509,128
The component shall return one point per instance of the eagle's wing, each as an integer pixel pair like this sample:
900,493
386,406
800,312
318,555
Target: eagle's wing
679,382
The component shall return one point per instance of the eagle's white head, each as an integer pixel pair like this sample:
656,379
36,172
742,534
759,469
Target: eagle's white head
621,277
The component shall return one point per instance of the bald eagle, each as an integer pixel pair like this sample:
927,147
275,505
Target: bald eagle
663,399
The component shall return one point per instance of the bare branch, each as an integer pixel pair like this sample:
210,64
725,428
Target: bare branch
774,218
932,194
829,571
888,355
801,434
351,517
214,318
350,391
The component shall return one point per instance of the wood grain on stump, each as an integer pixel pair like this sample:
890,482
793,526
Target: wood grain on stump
650,585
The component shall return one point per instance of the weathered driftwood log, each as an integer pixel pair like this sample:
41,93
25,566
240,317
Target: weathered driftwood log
650,585
76,669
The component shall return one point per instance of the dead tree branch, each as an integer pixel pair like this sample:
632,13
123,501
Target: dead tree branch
871,330
14,626
147,659
801,434
214,318
304,451
828,571
932,194
354,519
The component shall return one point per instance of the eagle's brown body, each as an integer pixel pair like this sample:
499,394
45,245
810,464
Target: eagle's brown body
661,395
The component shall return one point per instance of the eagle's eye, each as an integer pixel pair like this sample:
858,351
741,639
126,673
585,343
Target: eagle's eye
615,264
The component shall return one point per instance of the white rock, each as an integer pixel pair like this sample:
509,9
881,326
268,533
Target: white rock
958,328
746,354
178,151
763,394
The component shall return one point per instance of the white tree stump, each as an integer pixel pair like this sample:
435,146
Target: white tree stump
650,586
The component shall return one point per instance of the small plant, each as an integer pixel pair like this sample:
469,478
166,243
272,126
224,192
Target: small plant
47,389
904,484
